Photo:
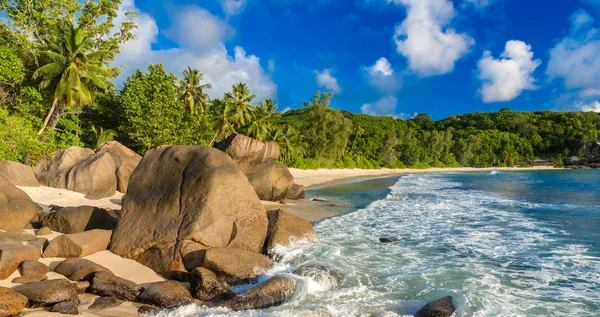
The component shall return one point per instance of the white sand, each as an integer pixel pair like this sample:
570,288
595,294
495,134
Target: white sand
47,196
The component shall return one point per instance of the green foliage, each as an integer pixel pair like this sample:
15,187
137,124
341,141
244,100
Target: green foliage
11,67
193,94
103,136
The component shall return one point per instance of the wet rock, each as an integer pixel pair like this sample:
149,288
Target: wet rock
192,254
11,302
16,208
319,200
107,284
78,219
167,294
104,303
206,286
236,266
296,192
285,228
65,308
327,277
29,268
78,245
387,240
44,231
29,279
273,292
12,253
79,269
48,292
442,307
18,174
147,310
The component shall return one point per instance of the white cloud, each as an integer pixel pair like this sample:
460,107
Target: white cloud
381,75
198,49
424,38
478,4
593,106
386,106
576,58
233,7
326,80
504,79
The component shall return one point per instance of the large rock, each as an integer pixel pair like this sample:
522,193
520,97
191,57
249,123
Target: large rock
326,277
442,307
185,193
78,219
78,245
257,159
12,254
11,302
296,192
206,286
236,266
16,208
107,284
48,293
166,294
284,228
80,170
18,174
273,292
79,269
125,159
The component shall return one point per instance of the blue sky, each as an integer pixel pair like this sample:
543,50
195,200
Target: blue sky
384,57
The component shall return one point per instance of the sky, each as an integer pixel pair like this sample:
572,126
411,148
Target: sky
381,57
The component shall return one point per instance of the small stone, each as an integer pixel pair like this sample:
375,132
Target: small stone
104,303
387,240
79,269
29,267
66,308
29,279
78,245
44,231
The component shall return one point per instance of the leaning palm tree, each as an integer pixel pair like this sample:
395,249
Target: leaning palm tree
286,137
240,98
73,72
193,91
262,120
221,113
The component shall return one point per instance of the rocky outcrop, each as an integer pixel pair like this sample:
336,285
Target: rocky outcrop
284,228
182,194
48,293
257,159
107,284
78,219
236,266
18,174
16,208
12,254
125,160
166,294
442,307
296,192
80,170
273,292
327,278
78,245
11,302
206,286
79,269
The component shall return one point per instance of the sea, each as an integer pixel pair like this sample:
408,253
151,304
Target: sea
519,243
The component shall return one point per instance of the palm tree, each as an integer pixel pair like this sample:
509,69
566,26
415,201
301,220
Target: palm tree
262,120
241,98
74,73
285,137
359,132
221,112
193,91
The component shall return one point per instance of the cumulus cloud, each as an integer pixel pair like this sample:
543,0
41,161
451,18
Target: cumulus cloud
326,80
424,38
576,58
233,7
504,79
478,4
593,106
386,106
201,48
381,75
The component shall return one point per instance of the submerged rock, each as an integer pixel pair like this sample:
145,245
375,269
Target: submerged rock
442,307
387,240
328,278
273,292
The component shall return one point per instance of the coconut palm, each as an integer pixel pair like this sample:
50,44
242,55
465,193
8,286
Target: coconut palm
73,72
221,112
262,120
240,98
285,137
193,91
359,132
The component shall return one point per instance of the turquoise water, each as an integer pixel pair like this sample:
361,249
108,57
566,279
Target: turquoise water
501,243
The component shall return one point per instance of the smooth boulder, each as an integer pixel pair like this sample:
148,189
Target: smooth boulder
18,174
167,294
12,254
442,307
296,192
125,160
327,278
78,219
285,228
16,208
79,269
187,193
258,161
206,286
29,268
236,266
272,292
109,285
48,292
11,302
78,245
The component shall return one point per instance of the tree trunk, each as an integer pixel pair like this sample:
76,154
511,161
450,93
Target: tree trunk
60,110
50,113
